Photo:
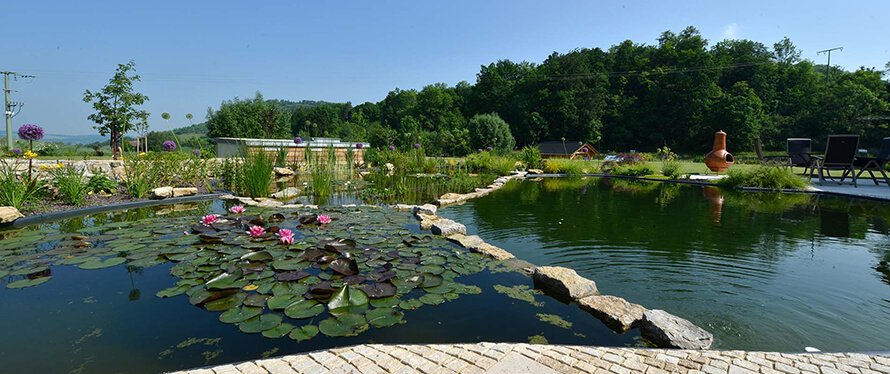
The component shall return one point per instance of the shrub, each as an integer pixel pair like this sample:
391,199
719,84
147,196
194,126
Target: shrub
671,169
633,170
68,180
100,183
565,166
489,130
531,157
763,177
487,162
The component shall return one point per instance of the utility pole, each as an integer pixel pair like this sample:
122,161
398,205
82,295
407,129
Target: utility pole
11,108
828,67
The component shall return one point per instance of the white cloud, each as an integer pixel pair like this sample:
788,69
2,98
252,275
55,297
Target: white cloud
731,31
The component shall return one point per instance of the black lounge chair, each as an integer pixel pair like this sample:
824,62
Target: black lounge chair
800,153
873,164
840,153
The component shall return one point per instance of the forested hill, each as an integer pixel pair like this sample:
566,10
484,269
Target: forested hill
676,92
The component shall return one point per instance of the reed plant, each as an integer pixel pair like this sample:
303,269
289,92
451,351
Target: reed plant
770,177
255,174
69,183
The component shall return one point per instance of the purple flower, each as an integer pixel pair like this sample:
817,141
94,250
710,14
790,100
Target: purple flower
169,146
298,140
479,150
488,148
30,132
359,145
392,148
17,151
196,152
416,145
584,150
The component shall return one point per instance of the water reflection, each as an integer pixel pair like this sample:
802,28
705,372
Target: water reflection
761,270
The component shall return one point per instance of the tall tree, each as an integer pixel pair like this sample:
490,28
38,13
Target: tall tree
116,106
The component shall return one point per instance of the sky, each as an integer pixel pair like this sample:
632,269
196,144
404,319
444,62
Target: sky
194,54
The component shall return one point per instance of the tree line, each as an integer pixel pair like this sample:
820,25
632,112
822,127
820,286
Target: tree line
675,93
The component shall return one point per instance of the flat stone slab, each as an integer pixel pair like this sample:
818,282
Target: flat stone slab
160,193
184,191
282,171
667,330
565,283
447,227
429,209
548,359
476,244
615,312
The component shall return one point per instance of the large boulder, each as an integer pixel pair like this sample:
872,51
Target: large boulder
9,214
447,227
615,312
161,193
669,331
286,193
535,171
184,191
282,171
564,283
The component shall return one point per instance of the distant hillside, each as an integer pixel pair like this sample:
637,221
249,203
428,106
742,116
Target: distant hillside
67,139
199,128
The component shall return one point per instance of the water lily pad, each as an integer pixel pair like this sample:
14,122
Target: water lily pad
384,317
379,290
431,280
96,263
345,266
225,303
292,275
385,302
173,291
225,281
432,299
260,323
236,315
255,300
22,283
304,333
410,304
278,331
280,301
347,297
348,325
432,269
303,309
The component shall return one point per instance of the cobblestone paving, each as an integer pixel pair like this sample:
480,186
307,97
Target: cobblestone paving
527,358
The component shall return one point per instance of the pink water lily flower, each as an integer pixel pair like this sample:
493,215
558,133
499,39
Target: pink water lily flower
256,231
237,209
209,219
324,219
286,236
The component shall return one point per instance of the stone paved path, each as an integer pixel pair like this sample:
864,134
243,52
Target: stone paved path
547,359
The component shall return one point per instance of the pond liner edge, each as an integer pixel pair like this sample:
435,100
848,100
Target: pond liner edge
55,216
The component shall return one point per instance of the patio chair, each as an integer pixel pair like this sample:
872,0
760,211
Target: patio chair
800,154
873,164
840,152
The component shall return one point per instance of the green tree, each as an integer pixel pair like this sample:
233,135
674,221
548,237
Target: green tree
116,106
489,130
248,118
740,112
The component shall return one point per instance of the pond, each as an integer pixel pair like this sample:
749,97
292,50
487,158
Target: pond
170,287
761,271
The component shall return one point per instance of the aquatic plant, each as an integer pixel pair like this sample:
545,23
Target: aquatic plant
256,231
531,157
209,219
255,174
566,166
285,236
237,209
324,219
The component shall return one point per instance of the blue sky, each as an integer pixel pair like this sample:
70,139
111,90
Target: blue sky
194,54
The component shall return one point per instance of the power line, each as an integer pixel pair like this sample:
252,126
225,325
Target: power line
828,66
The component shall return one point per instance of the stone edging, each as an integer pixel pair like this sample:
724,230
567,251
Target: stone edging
659,327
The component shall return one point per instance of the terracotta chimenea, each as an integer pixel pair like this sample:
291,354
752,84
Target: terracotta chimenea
719,159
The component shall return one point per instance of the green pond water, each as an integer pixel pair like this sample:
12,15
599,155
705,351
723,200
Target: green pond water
151,289
761,271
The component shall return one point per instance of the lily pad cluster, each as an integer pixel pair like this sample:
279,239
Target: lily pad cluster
362,270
